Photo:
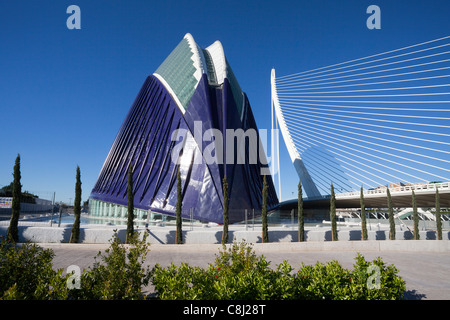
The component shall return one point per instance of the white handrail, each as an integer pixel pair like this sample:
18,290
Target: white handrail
415,187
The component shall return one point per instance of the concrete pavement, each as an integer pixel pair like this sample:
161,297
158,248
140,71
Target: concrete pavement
423,264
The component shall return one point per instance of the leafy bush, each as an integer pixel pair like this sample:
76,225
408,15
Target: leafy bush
236,274
26,273
119,275
239,274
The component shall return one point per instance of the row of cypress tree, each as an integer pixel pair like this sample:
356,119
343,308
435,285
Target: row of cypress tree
13,231
301,223
12,235
364,233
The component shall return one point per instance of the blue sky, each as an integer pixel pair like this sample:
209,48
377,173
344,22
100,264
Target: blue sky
64,93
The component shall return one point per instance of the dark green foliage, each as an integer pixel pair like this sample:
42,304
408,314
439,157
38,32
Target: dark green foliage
130,206
239,274
225,211
179,232
438,216
415,217
265,232
334,234
390,215
26,273
364,234
25,196
13,231
75,235
120,273
301,218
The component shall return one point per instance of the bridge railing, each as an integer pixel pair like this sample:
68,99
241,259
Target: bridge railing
416,187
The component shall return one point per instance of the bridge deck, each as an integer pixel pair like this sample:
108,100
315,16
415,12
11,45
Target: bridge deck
401,198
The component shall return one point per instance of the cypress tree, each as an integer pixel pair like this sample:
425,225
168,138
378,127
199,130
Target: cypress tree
415,217
75,235
364,235
179,232
265,232
390,215
130,206
13,232
438,216
301,220
334,234
225,211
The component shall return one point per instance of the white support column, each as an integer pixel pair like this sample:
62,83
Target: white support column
308,184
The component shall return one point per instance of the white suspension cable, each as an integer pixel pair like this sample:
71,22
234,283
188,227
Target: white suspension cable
359,174
404,54
391,141
370,101
371,119
320,159
300,106
293,102
372,72
295,93
296,88
303,116
381,158
340,154
306,144
368,57
379,126
379,151
323,167
380,95
372,67
366,159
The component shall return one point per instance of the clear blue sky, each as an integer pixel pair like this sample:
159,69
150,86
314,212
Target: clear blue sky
64,93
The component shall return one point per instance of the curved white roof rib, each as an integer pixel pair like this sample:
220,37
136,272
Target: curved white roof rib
218,58
197,58
182,83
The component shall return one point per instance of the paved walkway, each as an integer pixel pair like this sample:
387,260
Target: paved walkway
425,272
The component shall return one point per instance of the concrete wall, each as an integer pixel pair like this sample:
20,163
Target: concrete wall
166,235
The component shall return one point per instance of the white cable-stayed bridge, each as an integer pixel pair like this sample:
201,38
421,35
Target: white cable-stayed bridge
373,122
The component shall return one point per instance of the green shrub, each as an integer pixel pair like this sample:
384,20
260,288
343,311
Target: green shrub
239,274
119,275
391,286
26,273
